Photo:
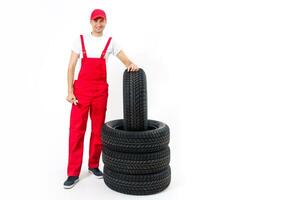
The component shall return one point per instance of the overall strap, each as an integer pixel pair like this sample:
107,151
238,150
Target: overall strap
83,47
105,49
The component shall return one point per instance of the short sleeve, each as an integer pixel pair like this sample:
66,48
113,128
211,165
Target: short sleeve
76,47
116,48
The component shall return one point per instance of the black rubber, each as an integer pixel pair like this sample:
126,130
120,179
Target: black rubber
137,184
130,163
155,138
135,100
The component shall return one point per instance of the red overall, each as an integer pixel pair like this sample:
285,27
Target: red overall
91,91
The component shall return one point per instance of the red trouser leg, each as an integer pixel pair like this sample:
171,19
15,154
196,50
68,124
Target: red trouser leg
78,121
98,112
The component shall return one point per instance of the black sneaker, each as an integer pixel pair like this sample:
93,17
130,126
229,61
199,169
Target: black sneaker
96,172
70,182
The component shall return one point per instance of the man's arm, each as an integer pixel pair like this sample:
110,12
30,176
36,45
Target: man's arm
71,69
128,63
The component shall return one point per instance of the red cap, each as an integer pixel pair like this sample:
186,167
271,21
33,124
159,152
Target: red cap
98,13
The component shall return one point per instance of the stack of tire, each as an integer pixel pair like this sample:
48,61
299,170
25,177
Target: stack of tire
136,154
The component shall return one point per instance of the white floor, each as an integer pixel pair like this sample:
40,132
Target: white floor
45,168
89,187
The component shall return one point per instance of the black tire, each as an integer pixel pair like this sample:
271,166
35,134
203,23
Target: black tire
129,163
137,184
135,100
155,138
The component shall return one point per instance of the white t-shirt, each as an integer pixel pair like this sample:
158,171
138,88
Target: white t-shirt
94,46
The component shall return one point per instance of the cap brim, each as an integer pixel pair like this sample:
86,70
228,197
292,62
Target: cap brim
98,16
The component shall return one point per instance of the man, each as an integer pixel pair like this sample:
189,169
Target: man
89,93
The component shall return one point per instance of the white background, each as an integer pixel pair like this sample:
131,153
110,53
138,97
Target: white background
224,75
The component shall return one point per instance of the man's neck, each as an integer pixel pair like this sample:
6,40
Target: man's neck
97,34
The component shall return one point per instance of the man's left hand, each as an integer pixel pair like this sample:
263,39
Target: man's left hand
132,67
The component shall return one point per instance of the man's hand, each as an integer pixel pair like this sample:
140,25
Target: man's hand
125,60
71,98
132,67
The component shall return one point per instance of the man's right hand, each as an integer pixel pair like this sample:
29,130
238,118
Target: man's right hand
71,98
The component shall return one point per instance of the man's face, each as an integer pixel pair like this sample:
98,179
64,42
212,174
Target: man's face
98,24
